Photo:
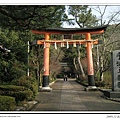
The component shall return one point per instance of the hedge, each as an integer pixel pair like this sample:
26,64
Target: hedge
7,103
19,92
28,82
26,95
11,88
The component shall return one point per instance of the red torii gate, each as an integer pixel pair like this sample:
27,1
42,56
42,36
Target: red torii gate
88,41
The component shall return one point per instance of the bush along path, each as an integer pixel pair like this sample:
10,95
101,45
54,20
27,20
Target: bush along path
18,94
7,103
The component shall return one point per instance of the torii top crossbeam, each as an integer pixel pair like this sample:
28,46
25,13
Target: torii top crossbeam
94,30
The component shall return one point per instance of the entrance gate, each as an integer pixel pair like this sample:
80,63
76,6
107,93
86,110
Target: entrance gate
88,41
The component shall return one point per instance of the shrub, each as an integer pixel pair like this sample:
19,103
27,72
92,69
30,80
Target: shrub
28,82
11,88
100,83
23,95
7,103
19,92
107,81
16,70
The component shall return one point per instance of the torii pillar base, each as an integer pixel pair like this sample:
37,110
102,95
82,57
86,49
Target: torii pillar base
45,85
91,88
45,89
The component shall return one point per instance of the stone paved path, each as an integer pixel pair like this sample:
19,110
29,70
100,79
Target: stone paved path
70,96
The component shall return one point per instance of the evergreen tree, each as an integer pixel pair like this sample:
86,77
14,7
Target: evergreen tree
82,15
22,17
16,24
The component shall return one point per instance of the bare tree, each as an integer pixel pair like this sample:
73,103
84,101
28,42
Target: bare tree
110,37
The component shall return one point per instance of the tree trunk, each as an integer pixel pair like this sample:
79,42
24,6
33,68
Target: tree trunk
75,64
80,64
101,69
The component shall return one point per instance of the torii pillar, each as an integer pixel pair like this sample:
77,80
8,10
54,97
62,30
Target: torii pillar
90,68
45,81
